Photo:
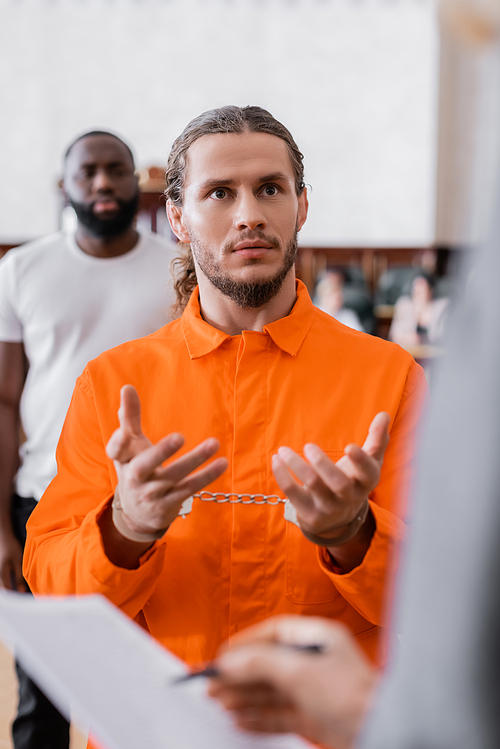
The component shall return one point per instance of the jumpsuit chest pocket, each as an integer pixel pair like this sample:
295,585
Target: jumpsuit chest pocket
306,583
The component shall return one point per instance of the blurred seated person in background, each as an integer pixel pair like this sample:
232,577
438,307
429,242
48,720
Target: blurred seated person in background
419,318
329,297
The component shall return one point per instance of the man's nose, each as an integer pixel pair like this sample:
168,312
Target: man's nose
249,213
102,181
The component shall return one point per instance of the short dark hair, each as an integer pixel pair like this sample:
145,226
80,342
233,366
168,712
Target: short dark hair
228,119
421,273
97,132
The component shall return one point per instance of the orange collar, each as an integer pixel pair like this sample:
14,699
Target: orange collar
288,332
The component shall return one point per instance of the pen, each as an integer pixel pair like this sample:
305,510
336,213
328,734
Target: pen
211,671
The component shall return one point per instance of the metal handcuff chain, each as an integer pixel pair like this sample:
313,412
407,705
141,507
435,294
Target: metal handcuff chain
252,499
290,513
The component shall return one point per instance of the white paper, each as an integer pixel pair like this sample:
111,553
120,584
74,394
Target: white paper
96,664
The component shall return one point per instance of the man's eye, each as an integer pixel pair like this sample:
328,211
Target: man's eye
218,194
271,190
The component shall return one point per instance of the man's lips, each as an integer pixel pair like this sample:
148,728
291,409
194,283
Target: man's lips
252,248
106,206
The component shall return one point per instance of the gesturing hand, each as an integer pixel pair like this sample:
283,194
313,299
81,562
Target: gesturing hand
151,494
332,495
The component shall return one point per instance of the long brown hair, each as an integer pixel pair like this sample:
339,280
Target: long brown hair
229,119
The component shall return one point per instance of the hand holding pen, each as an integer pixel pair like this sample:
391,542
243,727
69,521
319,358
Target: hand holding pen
270,681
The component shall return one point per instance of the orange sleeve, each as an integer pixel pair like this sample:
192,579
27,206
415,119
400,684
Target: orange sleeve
64,552
368,587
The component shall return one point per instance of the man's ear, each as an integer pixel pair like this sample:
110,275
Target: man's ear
174,213
303,207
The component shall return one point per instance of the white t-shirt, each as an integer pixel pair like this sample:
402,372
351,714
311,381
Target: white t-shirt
67,307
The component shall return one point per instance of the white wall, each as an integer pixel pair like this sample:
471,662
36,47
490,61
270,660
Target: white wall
469,131
354,80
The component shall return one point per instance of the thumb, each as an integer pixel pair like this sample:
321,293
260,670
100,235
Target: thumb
378,436
129,413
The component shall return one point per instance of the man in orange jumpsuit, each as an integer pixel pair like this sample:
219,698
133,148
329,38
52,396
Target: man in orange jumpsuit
291,516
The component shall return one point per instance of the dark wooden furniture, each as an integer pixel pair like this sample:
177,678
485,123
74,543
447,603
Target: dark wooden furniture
372,260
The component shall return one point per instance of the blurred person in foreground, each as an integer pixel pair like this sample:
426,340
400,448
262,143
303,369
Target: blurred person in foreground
63,300
255,376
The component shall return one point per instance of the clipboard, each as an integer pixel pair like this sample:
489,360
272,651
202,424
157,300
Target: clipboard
99,667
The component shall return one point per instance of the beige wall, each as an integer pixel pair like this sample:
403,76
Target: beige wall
469,119
355,81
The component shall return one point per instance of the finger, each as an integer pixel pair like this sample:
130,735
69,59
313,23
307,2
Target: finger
188,462
289,629
327,473
303,470
299,496
364,469
5,576
129,413
175,495
11,577
259,663
301,631
119,446
378,436
200,479
144,464
266,720
237,696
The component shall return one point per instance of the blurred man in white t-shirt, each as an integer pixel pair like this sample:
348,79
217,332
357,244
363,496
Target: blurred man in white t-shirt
63,300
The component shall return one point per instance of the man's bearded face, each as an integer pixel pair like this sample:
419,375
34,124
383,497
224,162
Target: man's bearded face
101,186
241,214
249,294
105,227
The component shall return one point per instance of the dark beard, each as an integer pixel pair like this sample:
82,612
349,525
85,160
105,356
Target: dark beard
247,294
107,228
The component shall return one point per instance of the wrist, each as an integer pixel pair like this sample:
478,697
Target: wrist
352,553
345,534
118,549
120,523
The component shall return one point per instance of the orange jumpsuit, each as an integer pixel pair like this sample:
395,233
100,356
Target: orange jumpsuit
226,566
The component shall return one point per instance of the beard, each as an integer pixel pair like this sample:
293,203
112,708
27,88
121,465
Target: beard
107,228
246,294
